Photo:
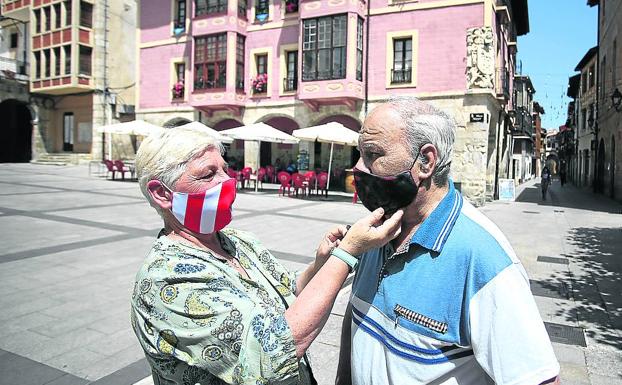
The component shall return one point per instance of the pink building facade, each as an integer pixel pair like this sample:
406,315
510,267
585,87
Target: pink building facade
294,64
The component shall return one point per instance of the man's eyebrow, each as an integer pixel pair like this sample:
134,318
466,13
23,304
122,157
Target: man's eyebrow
369,145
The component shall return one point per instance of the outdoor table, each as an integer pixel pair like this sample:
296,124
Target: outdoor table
101,167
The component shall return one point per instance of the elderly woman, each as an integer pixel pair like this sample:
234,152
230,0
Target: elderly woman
211,305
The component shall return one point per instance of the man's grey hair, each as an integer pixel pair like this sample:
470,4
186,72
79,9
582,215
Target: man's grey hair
164,156
426,124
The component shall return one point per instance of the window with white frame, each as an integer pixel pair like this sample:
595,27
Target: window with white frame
179,24
402,60
210,61
291,79
207,7
239,62
324,48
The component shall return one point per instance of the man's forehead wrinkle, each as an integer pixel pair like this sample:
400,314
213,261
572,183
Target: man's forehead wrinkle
371,129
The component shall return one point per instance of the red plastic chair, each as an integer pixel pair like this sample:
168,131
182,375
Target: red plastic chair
261,174
270,174
245,176
322,182
285,179
110,167
299,183
235,175
122,168
310,178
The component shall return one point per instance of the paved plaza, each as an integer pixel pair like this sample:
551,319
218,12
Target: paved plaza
71,244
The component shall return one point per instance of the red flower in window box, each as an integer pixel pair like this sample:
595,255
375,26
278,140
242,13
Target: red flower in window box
260,83
178,90
291,6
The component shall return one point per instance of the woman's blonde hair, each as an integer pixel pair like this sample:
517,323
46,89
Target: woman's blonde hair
164,156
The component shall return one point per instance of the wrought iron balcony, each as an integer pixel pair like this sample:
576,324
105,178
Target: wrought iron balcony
401,76
14,69
290,84
502,83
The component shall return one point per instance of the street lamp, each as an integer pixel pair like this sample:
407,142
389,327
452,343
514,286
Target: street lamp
616,99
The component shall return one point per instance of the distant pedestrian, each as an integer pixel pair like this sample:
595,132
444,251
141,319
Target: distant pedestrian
545,181
278,165
291,167
562,176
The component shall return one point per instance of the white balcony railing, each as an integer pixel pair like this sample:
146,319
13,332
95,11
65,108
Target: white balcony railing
14,69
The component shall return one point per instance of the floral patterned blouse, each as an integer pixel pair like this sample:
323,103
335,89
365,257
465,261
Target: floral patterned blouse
200,322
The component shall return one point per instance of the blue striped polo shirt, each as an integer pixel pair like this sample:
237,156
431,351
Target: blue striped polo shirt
453,307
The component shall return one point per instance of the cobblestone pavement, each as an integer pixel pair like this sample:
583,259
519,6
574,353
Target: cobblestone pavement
73,242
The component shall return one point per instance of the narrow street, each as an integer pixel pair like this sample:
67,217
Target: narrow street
571,246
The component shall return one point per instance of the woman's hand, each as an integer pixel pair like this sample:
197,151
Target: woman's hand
330,241
371,232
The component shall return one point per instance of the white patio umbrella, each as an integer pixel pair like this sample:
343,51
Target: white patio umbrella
134,127
210,131
331,132
259,132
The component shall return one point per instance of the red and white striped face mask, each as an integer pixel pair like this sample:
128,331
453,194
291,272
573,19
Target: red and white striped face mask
205,212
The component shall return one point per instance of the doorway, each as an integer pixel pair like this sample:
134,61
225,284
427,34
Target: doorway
16,130
68,131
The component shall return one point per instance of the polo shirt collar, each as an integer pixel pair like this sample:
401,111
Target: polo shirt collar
435,229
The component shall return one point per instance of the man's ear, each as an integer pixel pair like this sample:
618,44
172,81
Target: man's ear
161,196
429,153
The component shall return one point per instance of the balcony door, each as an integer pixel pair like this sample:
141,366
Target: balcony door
68,132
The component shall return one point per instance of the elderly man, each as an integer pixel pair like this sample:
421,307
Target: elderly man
447,301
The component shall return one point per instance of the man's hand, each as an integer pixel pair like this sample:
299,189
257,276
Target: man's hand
330,241
371,232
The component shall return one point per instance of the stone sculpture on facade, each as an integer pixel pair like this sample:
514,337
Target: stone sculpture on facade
480,58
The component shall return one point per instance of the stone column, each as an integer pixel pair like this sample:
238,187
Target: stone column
251,153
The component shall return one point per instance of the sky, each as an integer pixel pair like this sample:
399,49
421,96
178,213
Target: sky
560,33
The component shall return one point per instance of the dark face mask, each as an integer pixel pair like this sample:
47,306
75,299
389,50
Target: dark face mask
389,192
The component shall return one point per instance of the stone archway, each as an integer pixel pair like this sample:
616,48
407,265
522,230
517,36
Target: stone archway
282,152
346,120
16,132
351,123
234,153
226,124
176,122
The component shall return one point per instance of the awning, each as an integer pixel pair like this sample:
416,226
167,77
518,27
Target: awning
260,132
209,131
331,132
135,127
